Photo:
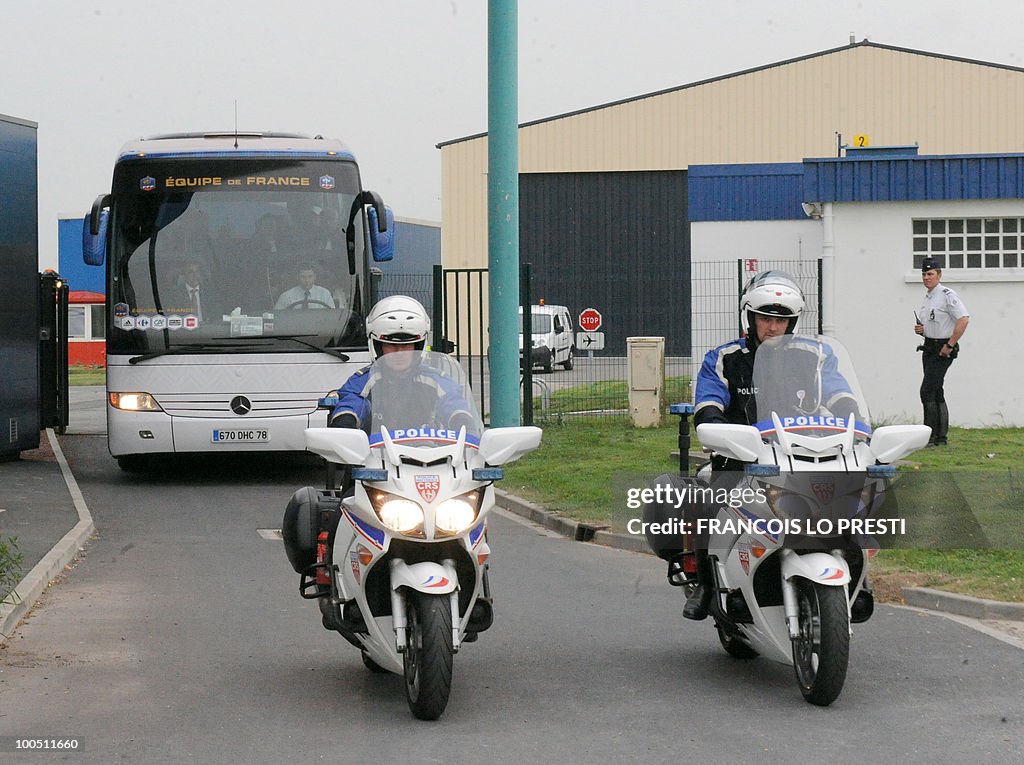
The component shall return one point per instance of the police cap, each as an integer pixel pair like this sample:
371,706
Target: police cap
930,264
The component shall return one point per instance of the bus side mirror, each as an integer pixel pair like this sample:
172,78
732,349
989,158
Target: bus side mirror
382,238
94,231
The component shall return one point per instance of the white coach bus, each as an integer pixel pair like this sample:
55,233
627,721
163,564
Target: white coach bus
237,281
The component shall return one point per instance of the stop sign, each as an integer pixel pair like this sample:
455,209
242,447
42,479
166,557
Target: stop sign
590,320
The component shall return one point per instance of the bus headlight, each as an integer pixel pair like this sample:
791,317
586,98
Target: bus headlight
133,402
457,514
397,513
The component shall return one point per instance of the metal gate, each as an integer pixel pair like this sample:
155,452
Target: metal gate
460,324
53,351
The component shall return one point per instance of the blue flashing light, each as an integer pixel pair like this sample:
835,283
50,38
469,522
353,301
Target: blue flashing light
488,474
369,474
680,408
761,470
881,471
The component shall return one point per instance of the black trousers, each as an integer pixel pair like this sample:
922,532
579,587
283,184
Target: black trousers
935,368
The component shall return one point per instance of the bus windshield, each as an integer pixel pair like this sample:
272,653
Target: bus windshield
235,254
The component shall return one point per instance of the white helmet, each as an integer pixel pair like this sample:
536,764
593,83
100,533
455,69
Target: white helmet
772,293
396,319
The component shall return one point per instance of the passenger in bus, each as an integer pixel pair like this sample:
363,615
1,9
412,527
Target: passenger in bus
307,294
193,294
330,236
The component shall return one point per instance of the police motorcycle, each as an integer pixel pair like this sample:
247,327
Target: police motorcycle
791,523
395,548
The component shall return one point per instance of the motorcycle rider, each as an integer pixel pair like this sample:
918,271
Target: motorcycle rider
770,306
396,330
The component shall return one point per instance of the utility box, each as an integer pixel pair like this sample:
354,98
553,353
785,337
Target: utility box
646,356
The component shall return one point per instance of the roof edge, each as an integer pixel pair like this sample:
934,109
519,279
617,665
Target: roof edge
764,67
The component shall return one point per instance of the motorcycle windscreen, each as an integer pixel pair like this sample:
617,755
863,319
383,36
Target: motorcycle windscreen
809,385
421,398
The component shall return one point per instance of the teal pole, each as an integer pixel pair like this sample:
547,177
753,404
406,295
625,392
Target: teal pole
503,209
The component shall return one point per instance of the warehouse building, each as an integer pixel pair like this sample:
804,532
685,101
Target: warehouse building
623,205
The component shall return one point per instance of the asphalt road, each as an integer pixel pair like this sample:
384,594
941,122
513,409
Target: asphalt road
180,637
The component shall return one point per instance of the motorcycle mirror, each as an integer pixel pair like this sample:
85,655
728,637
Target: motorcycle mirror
891,442
738,442
345,446
501,445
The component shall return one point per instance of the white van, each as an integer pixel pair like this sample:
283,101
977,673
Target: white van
553,339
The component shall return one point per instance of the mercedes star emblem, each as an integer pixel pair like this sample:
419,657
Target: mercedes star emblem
241,405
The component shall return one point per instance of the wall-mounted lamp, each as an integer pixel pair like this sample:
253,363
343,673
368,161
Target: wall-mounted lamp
812,209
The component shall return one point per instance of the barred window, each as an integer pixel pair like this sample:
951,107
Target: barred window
969,243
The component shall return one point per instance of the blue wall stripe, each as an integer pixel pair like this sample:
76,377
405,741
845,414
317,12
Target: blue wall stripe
978,176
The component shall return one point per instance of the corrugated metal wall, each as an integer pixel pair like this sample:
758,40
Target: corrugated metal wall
914,179
616,242
780,113
746,192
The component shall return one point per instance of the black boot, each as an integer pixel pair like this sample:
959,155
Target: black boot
862,607
943,424
699,602
931,419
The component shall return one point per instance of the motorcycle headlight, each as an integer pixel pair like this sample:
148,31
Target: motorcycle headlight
457,514
397,513
133,402
785,504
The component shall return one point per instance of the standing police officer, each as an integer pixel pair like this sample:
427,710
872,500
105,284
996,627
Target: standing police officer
942,321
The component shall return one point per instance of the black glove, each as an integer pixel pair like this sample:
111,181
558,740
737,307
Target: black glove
709,414
845,407
459,419
344,420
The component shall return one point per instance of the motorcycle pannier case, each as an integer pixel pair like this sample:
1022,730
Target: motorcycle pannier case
308,513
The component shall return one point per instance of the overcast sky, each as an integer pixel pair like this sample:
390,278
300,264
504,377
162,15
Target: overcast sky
392,78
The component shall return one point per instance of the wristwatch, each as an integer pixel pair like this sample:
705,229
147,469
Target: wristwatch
951,347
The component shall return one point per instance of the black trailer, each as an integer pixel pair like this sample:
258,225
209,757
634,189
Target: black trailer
20,419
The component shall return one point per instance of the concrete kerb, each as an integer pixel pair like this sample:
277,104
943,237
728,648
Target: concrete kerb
581,532
920,597
963,605
24,596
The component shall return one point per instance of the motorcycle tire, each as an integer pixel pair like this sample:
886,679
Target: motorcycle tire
734,646
427,660
822,649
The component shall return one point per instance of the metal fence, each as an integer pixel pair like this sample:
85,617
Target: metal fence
718,284
419,286
597,385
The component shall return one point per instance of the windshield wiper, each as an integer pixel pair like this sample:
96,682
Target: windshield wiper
297,339
177,350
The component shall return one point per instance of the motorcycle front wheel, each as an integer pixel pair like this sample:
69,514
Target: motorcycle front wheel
428,654
822,649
